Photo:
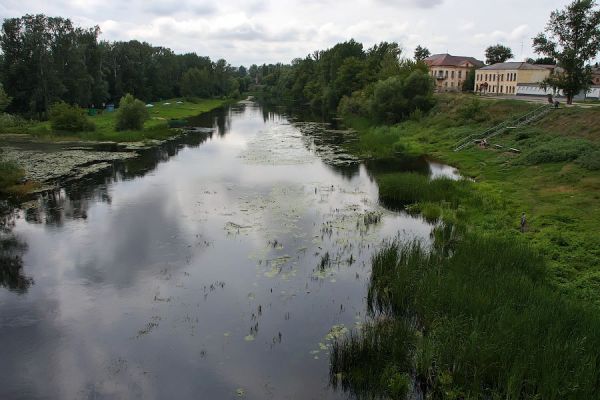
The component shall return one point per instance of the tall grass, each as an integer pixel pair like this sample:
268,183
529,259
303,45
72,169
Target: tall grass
401,189
484,323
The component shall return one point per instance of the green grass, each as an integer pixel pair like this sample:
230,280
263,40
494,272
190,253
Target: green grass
487,312
483,322
155,128
554,180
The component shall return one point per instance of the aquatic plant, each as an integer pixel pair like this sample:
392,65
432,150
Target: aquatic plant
479,322
401,189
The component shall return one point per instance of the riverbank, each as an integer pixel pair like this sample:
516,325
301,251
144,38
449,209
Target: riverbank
155,128
489,311
555,179
36,156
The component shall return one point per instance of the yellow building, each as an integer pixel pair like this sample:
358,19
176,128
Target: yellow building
450,72
503,78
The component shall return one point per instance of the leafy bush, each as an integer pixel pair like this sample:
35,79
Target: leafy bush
68,118
590,160
132,114
472,111
358,104
10,175
13,123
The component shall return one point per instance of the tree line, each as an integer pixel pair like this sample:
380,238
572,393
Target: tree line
45,60
347,78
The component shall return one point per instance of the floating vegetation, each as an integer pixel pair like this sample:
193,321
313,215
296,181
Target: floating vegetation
372,217
239,392
150,326
46,166
336,332
233,228
325,262
249,338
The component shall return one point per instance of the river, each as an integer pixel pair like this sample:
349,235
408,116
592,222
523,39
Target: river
219,266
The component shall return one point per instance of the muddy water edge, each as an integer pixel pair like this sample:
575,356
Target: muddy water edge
219,265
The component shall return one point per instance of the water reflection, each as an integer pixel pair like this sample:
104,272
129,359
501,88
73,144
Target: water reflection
12,249
216,265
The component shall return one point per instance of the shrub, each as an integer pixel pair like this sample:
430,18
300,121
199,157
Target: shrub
13,123
590,160
472,111
68,118
132,114
10,175
358,104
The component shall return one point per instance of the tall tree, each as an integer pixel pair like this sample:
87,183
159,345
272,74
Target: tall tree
421,53
498,54
542,61
4,99
572,38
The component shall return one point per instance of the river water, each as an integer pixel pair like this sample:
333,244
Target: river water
219,266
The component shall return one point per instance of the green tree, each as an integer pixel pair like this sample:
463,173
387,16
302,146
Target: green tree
395,98
4,99
132,114
498,54
572,38
196,82
542,61
421,53
469,82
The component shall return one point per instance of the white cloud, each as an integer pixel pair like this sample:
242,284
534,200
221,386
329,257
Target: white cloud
256,31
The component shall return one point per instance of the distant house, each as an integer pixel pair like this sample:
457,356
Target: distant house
505,78
449,71
596,75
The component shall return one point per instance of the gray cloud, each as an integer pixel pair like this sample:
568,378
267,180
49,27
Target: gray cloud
413,3
253,31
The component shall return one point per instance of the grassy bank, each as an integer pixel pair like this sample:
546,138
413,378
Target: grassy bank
555,179
155,128
489,311
482,323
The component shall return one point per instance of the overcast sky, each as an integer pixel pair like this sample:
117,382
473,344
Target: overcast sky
253,31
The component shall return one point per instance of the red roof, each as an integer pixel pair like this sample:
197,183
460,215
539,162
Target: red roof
446,60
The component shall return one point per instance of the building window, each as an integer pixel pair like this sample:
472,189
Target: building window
452,75
459,74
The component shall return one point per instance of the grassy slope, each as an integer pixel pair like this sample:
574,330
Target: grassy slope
155,128
478,315
561,199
